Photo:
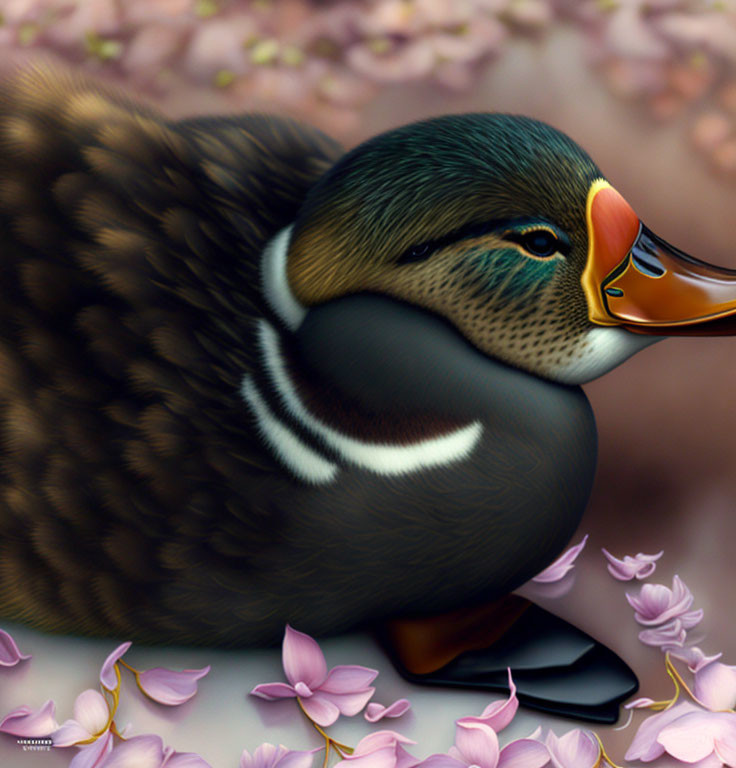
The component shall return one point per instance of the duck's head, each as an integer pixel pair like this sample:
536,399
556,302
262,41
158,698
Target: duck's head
506,228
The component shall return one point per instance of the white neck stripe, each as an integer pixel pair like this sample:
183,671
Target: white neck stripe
305,463
383,458
275,282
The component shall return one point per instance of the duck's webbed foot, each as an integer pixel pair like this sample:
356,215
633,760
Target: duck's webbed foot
556,667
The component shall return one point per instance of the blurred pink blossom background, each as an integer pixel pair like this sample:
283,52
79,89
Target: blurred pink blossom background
325,60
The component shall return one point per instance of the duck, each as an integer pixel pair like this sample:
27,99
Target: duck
249,379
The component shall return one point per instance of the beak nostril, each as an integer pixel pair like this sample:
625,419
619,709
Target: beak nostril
650,265
617,292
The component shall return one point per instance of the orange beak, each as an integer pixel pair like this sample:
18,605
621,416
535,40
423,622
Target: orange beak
636,280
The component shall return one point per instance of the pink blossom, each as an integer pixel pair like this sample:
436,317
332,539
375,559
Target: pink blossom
533,14
671,634
218,44
90,728
476,744
9,653
715,686
398,63
562,565
138,13
148,751
630,36
324,696
268,756
169,687
92,719
696,735
375,712
153,47
24,721
725,749
709,31
639,566
575,749
693,657
656,604
498,714
382,749
93,755
645,745
478,39
711,129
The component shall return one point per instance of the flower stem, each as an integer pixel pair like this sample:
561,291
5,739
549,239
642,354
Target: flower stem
127,666
329,741
602,756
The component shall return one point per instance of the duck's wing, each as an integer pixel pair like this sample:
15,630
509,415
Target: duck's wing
128,285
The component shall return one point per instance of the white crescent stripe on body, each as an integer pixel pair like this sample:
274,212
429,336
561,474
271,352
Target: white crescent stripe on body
383,458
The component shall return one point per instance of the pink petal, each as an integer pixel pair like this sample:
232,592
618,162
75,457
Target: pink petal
23,721
562,565
404,759
9,653
265,756
478,744
69,734
692,737
137,752
385,757
639,703
620,569
640,566
349,704
93,755
715,686
91,711
169,687
375,712
693,657
524,753
553,590
303,659
645,746
273,691
108,675
575,749
630,37
498,714
441,761
378,740
726,749
656,604
348,679
296,759
672,633
322,711
185,760
691,619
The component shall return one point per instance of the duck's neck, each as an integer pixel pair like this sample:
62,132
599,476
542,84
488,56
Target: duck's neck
317,426
385,353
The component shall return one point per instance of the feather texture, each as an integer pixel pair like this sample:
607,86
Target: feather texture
128,285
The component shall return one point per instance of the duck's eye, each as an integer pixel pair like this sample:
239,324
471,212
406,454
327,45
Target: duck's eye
539,242
415,253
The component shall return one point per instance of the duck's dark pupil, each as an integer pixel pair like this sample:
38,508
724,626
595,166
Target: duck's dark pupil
540,243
